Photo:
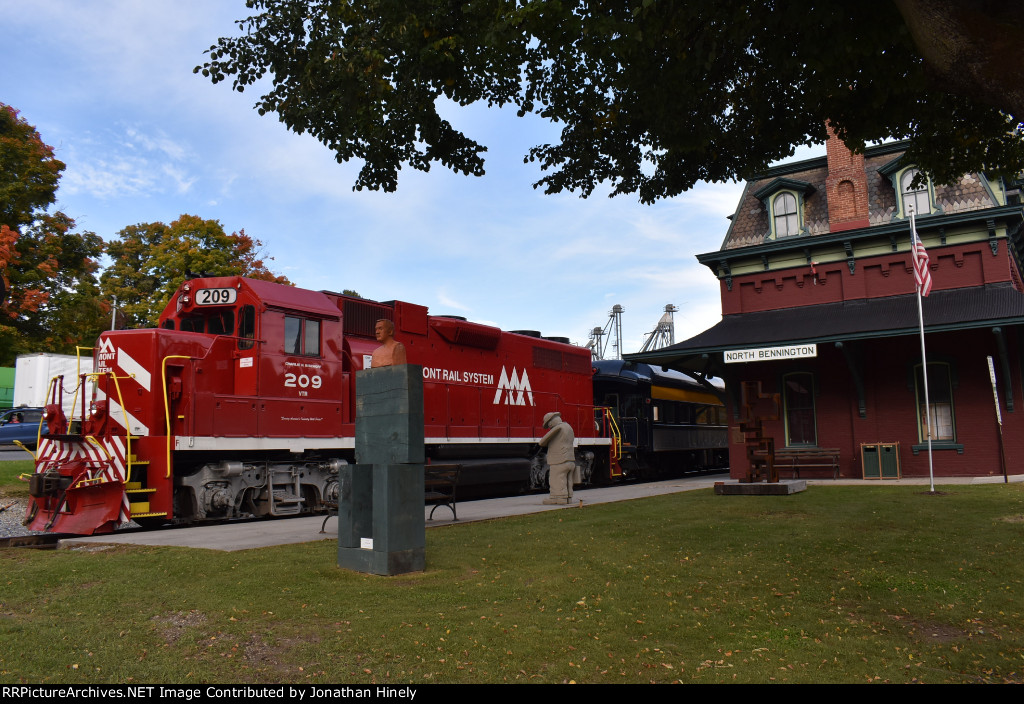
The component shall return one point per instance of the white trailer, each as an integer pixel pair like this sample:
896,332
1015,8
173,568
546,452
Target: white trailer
33,373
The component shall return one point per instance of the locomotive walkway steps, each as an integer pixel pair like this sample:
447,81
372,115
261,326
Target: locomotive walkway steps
257,534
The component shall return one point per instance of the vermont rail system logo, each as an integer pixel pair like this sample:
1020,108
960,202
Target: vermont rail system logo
513,390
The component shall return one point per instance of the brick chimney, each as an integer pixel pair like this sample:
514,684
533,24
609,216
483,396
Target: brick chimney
846,186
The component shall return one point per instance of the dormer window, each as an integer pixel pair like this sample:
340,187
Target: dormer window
920,197
915,197
787,221
783,198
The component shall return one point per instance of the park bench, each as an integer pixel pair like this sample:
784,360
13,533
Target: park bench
799,459
439,482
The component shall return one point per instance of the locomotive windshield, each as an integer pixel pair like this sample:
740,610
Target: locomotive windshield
221,322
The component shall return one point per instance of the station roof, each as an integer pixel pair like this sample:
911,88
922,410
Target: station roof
893,316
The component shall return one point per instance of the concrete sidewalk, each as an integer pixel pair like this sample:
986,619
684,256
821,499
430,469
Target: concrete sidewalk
257,534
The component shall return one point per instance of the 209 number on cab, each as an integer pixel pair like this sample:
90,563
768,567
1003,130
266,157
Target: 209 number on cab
302,381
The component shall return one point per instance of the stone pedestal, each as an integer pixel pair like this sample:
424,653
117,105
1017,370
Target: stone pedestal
782,488
381,526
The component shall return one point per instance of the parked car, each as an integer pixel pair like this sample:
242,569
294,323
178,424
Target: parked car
21,424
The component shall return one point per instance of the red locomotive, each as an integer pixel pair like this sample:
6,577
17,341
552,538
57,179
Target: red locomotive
242,403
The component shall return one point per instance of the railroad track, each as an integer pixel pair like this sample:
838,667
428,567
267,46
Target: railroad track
38,542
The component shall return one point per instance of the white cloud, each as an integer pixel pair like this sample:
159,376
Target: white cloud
158,142
444,299
127,163
103,178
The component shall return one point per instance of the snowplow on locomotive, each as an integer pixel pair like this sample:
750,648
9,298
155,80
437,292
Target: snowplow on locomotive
242,403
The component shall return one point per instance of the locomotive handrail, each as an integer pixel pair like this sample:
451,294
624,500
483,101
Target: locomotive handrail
613,426
167,405
56,383
574,413
94,441
80,384
124,412
20,444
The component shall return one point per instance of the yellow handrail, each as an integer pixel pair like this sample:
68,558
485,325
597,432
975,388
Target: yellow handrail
167,405
616,433
80,382
49,394
22,446
124,412
96,442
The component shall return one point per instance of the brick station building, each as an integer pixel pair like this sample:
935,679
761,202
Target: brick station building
819,305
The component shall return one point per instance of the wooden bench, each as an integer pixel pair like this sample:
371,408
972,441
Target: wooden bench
803,458
439,482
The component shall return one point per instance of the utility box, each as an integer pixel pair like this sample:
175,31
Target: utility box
880,460
381,521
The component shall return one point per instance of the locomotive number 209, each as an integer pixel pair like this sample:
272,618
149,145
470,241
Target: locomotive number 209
215,296
302,381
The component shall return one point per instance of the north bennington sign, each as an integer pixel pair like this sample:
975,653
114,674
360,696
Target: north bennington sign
767,354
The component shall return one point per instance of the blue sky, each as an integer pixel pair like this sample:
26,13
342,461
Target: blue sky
109,85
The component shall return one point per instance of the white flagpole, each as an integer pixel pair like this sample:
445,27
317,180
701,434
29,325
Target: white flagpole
924,358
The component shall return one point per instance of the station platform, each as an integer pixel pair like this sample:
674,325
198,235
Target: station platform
259,534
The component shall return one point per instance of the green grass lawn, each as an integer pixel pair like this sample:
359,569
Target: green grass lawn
10,485
837,584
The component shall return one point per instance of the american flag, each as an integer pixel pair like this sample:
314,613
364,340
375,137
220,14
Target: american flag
922,275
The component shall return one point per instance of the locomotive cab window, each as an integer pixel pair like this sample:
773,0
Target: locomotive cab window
247,328
193,325
219,323
222,323
301,336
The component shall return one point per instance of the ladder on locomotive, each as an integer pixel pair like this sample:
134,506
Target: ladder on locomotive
283,491
610,429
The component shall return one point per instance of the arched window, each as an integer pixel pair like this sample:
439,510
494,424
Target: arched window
798,398
787,222
915,197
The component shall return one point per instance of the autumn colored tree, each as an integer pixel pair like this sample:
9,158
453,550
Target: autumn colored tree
651,96
52,301
29,172
150,260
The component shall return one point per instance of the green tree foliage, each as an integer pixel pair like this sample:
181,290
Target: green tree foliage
150,260
52,303
652,95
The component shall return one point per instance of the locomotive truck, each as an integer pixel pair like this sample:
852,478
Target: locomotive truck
241,403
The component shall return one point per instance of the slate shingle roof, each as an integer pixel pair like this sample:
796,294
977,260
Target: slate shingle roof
750,223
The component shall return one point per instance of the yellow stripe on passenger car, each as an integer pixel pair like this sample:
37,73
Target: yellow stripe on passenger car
667,394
